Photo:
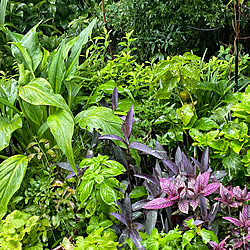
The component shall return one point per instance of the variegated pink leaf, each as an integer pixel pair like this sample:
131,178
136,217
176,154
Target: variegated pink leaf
159,203
168,187
222,243
205,177
236,222
237,244
194,203
183,206
198,183
246,212
214,245
210,188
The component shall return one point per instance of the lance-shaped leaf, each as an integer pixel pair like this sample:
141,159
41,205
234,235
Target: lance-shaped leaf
6,129
210,188
159,203
114,99
236,222
61,125
145,149
57,69
40,92
12,172
111,137
169,164
128,124
73,60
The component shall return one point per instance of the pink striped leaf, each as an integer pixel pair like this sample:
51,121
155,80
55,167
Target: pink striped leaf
159,203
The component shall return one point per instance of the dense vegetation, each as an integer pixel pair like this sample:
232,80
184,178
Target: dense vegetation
123,126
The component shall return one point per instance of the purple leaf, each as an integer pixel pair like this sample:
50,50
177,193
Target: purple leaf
145,149
194,203
171,166
237,244
128,124
198,222
111,137
178,157
187,166
161,150
183,206
120,218
127,208
246,212
236,222
210,188
223,242
168,187
214,245
137,225
136,238
139,204
147,177
205,160
203,207
159,203
213,211
205,177
114,99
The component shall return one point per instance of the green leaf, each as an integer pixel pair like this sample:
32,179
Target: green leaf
114,168
33,112
208,235
86,188
90,208
57,69
39,92
187,237
6,129
61,125
100,118
138,192
205,124
12,172
3,6
107,194
73,60
185,113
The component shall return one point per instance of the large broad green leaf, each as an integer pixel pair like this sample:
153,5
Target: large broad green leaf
57,69
185,113
61,125
6,129
33,112
100,118
107,193
12,172
40,92
205,124
73,60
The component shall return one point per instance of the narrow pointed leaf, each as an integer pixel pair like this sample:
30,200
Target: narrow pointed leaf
114,99
159,203
145,149
236,222
111,137
12,172
61,125
203,207
205,160
136,238
128,124
171,166
73,60
56,70
120,218
213,211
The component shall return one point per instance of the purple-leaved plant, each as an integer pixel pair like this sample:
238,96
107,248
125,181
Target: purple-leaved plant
220,246
226,197
131,227
243,228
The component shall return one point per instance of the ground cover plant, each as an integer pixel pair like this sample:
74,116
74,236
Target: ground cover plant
108,145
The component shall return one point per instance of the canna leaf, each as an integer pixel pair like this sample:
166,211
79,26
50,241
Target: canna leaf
12,172
39,92
73,60
61,125
57,69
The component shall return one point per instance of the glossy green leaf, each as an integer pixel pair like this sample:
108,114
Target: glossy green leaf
114,168
33,112
3,6
57,69
208,235
91,207
185,113
6,129
12,172
138,192
107,194
39,92
205,124
100,118
61,125
73,60
85,189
